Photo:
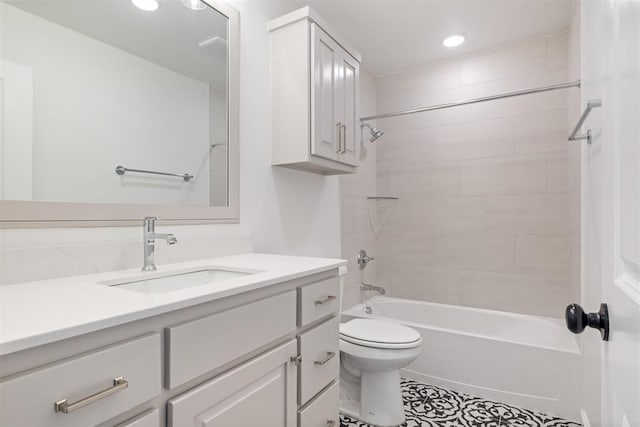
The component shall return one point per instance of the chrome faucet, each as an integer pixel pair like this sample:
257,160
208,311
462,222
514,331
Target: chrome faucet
367,287
149,237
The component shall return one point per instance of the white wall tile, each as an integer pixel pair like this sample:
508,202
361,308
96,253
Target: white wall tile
483,217
543,254
522,174
356,227
527,214
542,132
558,172
474,140
425,179
484,252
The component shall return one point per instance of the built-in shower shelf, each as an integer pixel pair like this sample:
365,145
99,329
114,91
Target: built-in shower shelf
380,208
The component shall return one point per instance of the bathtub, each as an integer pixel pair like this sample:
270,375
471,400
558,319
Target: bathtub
527,361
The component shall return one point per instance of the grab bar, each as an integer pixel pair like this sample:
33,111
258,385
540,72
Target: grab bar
120,170
574,135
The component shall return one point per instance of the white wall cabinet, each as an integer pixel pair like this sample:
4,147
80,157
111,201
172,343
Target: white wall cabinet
266,358
314,96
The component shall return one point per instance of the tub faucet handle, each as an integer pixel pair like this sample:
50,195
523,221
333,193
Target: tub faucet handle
364,259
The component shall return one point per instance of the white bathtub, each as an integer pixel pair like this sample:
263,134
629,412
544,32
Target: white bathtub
528,361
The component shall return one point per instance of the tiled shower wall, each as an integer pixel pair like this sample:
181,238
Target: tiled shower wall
356,229
483,216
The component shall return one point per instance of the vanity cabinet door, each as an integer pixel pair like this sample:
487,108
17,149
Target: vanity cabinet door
259,393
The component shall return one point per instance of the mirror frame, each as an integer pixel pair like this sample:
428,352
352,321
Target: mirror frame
21,214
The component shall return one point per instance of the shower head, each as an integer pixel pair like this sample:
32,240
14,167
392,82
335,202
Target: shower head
375,133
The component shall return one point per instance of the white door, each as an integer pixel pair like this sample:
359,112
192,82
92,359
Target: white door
325,80
611,210
259,393
349,98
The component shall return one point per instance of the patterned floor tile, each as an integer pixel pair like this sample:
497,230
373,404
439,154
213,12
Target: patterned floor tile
430,406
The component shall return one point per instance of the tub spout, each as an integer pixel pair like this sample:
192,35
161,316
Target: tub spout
367,287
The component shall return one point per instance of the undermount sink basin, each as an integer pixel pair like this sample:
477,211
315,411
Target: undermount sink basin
160,283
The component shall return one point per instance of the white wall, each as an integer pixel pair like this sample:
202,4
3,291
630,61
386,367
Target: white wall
95,107
483,216
285,211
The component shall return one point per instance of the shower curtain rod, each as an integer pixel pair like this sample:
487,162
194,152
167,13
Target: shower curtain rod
474,100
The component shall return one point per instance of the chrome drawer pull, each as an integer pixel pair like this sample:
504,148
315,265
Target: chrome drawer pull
65,407
325,300
330,355
331,423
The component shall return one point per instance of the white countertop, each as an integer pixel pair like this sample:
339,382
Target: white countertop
42,312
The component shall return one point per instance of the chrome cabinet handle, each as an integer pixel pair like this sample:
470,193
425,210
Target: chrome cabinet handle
66,408
339,126
330,355
331,423
344,139
324,301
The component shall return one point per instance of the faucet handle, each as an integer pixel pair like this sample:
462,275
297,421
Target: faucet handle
151,218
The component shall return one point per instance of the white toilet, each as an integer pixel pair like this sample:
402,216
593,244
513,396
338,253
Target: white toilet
372,353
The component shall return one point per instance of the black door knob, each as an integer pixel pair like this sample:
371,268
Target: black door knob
577,320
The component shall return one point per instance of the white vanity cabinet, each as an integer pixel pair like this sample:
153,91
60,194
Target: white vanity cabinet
264,358
314,96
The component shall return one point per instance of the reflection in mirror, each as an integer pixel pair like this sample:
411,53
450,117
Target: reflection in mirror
90,85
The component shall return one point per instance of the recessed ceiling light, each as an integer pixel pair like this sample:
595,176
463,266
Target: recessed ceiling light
453,41
148,5
194,4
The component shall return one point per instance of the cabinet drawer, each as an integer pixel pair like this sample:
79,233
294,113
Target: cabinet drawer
323,411
196,347
318,300
29,400
148,419
320,351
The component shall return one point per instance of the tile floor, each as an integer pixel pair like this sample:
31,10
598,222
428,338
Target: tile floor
430,406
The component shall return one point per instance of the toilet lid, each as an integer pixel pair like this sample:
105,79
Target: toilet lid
375,333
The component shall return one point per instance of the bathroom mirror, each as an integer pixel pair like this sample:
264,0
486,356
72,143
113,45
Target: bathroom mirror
116,109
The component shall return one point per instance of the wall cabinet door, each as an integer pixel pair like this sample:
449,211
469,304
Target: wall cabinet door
334,99
325,69
259,393
348,98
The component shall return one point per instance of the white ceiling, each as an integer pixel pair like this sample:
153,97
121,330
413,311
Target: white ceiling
392,35
395,35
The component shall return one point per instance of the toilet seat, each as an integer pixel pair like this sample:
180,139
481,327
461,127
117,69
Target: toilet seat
379,334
